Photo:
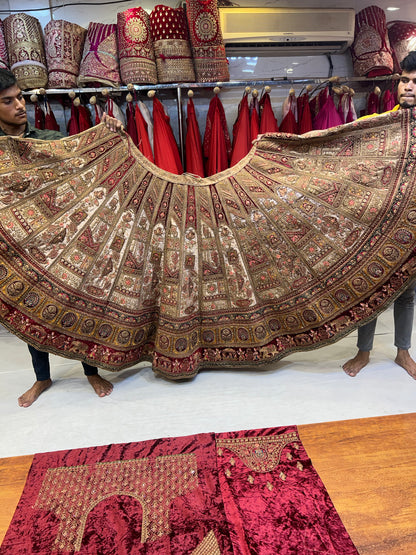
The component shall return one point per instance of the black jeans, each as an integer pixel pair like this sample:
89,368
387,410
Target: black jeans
40,361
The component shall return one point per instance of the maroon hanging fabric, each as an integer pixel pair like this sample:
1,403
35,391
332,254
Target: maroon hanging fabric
39,117
304,114
254,118
131,122
241,132
166,151
373,101
50,120
72,125
193,145
268,121
388,100
143,142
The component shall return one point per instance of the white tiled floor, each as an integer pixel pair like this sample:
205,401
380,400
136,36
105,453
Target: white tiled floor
303,388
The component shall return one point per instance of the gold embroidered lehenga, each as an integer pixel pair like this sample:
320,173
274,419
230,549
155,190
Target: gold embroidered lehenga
108,259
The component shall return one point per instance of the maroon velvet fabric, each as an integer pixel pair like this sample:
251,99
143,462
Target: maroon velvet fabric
241,492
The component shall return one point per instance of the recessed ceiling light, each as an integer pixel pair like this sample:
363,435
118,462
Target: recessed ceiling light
392,9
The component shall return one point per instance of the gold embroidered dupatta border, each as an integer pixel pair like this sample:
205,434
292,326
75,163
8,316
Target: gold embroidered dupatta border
108,259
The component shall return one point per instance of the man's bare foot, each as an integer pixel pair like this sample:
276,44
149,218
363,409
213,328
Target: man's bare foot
404,360
354,365
101,386
30,396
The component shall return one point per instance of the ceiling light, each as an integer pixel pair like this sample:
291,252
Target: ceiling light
392,9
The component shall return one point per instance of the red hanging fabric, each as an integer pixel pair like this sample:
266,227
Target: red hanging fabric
216,143
289,123
143,142
193,145
84,118
241,132
268,121
166,151
216,153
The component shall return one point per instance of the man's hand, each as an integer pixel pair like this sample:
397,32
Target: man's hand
113,124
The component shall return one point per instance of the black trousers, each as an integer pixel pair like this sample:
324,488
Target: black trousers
40,361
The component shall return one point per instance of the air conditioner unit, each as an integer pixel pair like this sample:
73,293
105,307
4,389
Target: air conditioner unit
286,31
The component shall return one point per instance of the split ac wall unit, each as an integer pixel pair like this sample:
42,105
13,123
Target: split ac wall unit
286,31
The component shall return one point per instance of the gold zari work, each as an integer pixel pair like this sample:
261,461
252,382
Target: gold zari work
108,259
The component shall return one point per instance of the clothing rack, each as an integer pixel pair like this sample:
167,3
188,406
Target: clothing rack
180,87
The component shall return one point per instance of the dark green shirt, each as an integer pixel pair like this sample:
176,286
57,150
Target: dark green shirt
35,133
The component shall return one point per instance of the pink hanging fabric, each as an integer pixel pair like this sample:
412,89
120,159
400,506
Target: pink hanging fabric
99,64
137,57
371,51
328,115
